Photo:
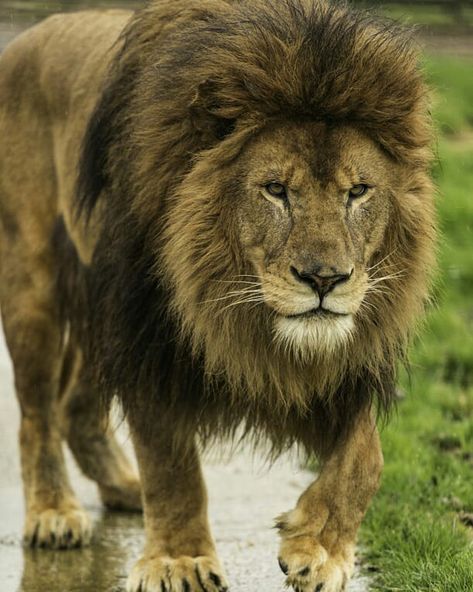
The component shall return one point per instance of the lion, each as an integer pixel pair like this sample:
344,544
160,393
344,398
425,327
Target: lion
221,213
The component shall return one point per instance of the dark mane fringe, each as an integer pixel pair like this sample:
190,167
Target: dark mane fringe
194,80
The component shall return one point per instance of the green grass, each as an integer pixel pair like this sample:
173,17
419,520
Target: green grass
413,538
453,81
415,13
428,15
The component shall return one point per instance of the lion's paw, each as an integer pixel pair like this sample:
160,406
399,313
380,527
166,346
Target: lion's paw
54,528
183,574
309,567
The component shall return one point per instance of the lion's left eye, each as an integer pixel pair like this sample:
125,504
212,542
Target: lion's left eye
358,191
276,190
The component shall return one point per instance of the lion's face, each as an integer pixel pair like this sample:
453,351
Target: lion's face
311,212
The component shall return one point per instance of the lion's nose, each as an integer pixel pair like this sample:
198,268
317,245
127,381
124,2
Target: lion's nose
321,278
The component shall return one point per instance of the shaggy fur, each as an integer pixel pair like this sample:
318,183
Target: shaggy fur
239,67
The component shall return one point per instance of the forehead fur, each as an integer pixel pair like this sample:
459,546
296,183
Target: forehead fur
294,152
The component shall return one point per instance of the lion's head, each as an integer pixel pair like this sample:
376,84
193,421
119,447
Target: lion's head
271,162
308,204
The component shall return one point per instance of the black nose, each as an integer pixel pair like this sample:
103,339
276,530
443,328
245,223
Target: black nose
321,278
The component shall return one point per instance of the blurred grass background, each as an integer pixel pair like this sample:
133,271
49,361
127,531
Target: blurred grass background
417,534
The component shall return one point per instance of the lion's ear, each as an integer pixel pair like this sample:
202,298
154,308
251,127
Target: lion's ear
212,113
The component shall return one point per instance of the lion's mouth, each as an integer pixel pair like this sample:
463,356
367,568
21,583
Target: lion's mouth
319,312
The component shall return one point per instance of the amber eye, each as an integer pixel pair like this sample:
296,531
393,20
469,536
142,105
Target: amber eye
357,191
276,190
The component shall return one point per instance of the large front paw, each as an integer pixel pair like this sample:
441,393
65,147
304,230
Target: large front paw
309,567
182,574
66,527
309,562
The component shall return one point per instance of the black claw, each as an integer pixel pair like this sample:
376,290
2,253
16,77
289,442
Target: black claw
283,566
34,538
304,572
199,579
186,587
319,587
163,586
215,579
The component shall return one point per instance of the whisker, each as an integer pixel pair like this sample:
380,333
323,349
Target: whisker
236,282
381,260
249,290
240,302
374,281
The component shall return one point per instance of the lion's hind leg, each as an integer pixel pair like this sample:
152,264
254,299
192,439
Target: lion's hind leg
54,517
28,295
95,447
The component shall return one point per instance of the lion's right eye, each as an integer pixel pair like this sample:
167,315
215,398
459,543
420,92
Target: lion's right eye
276,190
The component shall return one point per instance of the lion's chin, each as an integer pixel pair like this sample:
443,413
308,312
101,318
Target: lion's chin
309,336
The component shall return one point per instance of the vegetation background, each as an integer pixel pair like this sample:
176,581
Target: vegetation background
418,533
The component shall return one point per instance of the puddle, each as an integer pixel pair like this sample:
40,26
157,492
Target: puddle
117,543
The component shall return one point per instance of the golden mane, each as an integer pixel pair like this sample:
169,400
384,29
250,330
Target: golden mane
192,83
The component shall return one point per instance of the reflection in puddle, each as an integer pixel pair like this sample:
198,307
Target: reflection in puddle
117,544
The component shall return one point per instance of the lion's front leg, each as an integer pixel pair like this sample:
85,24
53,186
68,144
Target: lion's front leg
319,535
179,554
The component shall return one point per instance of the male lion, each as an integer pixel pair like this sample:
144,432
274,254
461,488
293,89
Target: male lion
219,211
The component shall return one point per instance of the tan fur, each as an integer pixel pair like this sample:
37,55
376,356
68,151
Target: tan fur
143,255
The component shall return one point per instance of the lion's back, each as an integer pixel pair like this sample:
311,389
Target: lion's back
50,78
